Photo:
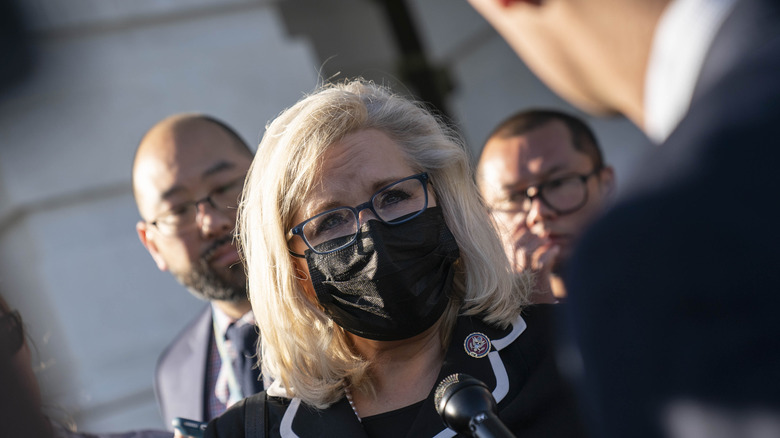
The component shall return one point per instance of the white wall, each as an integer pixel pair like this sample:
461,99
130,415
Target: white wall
98,310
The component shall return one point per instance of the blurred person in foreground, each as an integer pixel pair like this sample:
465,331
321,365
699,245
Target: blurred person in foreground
674,291
22,406
375,273
188,173
544,179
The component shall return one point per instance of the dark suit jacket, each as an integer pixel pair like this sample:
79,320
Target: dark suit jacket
180,379
533,401
674,294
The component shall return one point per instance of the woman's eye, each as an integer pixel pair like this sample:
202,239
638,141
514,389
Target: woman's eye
391,197
330,222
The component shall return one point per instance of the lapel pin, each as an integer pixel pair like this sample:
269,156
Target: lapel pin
477,345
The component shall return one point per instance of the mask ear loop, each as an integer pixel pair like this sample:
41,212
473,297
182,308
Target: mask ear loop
300,275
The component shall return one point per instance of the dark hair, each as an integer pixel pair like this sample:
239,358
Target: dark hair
582,136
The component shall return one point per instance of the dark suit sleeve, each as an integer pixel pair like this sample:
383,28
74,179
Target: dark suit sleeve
674,294
612,276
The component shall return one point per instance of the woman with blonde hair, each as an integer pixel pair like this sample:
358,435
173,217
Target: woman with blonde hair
374,272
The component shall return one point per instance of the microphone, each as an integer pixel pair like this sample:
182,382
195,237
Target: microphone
467,406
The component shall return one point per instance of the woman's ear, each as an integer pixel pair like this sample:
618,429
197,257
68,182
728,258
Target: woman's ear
302,276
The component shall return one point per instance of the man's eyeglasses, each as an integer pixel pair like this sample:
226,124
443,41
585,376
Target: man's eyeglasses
184,217
12,331
338,228
562,195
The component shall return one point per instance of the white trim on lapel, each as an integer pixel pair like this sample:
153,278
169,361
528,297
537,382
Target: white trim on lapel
502,379
518,327
499,370
285,427
446,433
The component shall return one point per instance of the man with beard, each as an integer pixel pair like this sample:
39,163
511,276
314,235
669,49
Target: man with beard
543,178
188,174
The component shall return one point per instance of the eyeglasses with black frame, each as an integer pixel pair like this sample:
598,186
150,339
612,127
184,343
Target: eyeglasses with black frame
12,331
183,218
338,228
562,195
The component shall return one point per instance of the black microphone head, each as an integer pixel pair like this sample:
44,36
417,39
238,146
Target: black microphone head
459,398
444,386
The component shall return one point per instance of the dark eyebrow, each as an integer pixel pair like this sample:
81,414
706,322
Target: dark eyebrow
218,167
384,182
325,206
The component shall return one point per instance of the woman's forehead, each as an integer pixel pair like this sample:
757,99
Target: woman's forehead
354,168
362,158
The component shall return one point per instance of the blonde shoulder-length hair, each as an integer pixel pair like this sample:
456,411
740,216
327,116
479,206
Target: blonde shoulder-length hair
302,349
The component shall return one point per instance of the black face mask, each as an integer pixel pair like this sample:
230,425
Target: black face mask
393,283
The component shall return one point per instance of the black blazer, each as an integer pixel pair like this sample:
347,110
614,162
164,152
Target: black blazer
532,399
674,294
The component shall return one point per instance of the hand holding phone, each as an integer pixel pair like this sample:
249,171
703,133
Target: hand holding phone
189,428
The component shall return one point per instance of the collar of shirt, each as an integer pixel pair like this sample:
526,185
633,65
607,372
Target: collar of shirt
223,321
680,44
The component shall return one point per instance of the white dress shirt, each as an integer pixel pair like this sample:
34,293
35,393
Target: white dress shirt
682,39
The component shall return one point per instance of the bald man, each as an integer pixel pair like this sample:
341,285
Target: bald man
188,174
544,180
